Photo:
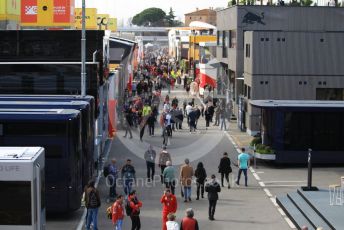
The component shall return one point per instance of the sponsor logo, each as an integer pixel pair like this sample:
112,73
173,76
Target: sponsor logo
31,10
251,18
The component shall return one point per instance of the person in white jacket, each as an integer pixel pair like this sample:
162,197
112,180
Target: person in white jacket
171,224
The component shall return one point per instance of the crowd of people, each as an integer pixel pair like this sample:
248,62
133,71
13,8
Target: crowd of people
130,204
141,110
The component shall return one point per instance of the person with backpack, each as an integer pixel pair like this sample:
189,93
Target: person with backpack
133,210
201,176
169,202
117,211
92,203
128,175
225,169
212,188
150,156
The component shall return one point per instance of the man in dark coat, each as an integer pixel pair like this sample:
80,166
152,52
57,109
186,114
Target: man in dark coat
212,188
225,168
192,121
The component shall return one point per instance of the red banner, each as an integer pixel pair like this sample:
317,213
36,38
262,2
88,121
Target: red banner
29,11
62,11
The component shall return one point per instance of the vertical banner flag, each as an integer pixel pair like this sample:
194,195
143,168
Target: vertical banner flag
29,11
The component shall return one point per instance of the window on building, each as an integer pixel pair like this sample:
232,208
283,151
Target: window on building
334,94
318,130
219,38
233,40
248,92
245,90
248,51
225,42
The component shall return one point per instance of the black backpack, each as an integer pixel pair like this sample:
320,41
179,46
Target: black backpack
92,200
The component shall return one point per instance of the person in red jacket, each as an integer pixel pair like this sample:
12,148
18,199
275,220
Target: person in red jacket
169,202
118,213
135,206
188,222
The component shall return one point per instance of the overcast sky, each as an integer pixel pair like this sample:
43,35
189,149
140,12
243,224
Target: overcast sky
123,9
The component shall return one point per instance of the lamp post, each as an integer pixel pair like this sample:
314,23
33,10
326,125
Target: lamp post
83,51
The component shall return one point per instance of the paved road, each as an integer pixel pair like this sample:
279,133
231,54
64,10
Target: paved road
238,208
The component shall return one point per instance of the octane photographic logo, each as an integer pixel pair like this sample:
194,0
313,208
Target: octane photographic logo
203,144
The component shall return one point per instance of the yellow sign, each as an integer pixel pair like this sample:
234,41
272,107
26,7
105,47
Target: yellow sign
91,18
13,7
102,21
45,12
112,25
2,7
9,10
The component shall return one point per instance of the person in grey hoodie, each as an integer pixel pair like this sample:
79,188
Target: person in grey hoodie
212,188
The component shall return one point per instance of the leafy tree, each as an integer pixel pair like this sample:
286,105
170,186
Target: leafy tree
306,2
170,17
232,3
150,17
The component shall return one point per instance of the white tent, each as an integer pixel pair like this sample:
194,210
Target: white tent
202,24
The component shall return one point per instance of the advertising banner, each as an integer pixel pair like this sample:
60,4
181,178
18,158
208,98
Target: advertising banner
29,11
102,21
63,10
12,7
2,8
47,13
112,25
91,18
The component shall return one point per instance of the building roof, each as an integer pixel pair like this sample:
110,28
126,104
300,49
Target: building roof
201,12
296,104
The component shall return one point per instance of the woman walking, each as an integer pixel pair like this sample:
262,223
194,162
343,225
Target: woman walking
201,176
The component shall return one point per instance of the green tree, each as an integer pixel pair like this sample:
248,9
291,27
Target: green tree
150,17
170,18
231,3
306,2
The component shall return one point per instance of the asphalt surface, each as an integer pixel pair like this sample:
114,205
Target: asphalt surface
238,208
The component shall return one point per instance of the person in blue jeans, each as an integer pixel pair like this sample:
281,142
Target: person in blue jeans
128,175
92,203
186,174
244,164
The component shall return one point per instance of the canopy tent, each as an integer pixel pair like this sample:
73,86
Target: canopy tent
202,25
